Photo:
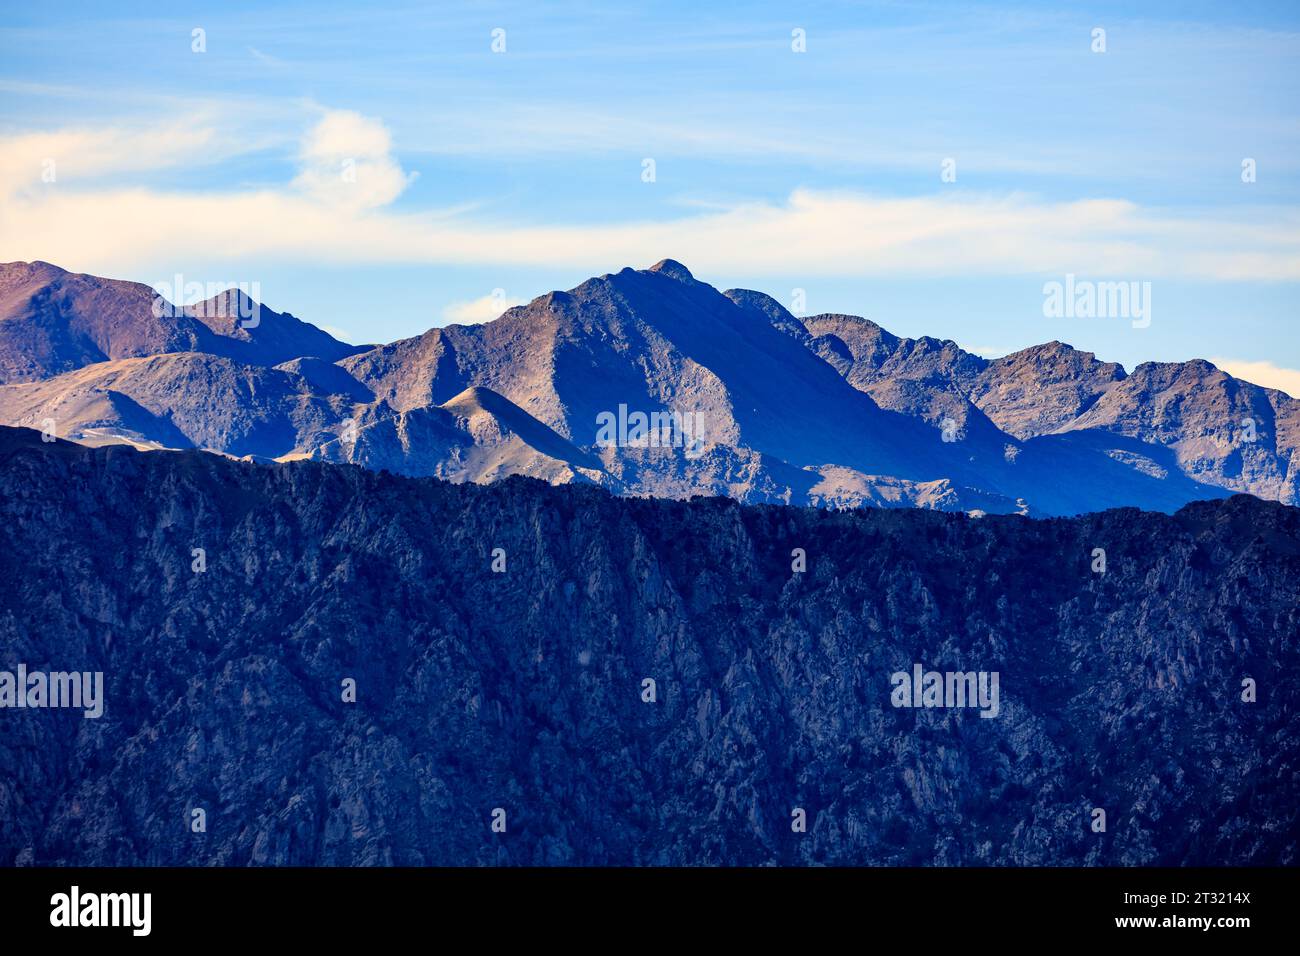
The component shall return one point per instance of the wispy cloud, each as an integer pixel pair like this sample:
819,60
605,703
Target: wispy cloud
338,208
46,159
266,59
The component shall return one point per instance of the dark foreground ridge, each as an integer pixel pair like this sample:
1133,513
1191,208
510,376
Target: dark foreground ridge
523,691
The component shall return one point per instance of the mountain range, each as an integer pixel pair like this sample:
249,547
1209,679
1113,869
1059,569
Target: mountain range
370,669
828,409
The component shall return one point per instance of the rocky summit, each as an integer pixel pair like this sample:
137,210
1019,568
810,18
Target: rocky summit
313,663
828,410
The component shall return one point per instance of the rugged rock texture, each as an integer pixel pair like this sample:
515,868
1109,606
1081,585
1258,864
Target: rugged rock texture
522,690
1065,411
1201,413
1041,389
829,410
223,405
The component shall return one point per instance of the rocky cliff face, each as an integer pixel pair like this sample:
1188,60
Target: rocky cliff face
522,690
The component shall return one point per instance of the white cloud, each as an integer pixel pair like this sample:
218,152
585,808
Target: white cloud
343,335
85,155
1262,373
325,215
986,351
475,311
347,162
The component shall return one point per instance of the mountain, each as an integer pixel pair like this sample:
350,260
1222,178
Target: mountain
655,341
1042,389
1201,414
182,400
53,321
647,382
250,332
477,435
524,689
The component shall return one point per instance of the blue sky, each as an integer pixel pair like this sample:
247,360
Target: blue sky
522,170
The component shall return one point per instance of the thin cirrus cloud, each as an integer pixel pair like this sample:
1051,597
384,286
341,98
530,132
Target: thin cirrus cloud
339,207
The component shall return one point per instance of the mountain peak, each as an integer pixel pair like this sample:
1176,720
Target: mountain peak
673,269
764,304
1054,348
226,312
36,265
